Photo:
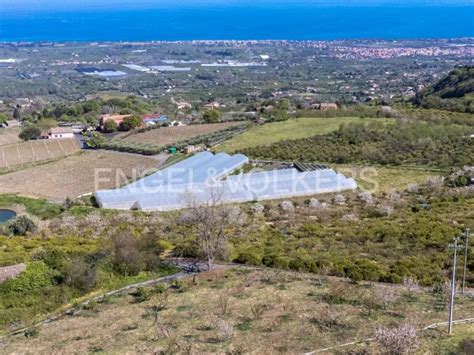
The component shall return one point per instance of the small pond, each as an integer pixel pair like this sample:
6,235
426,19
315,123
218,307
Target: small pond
6,215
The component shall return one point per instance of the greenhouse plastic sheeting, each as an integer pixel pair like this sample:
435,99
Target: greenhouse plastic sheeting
204,178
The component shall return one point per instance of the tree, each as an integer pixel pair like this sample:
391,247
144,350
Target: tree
95,140
211,116
110,126
131,122
46,123
211,222
30,132
16,114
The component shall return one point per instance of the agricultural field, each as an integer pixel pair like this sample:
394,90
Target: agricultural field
290,129
75,175
36,151
168,135
249,311
9,135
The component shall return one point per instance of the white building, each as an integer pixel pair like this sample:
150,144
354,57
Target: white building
60,133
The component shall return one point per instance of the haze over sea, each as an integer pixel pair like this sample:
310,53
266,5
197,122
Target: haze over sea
142,20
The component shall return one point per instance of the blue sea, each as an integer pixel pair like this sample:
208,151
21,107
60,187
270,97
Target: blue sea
115,20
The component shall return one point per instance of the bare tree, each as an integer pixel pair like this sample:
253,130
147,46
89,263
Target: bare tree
211,221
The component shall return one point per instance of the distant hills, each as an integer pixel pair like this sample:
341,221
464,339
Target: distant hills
455,92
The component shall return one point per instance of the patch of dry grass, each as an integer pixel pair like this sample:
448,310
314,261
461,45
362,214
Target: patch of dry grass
381,179
235,311
75,175
9,135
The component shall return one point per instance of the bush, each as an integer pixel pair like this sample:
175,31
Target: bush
249,256
211,116
126,254
81,275
130,123
141,294
22,225
30,132
110,126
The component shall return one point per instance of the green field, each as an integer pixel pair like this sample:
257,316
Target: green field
291,129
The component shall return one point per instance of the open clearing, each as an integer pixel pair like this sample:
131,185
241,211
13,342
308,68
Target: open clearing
9,135
75,175
245,311
381,179
291,129
35,151
169,135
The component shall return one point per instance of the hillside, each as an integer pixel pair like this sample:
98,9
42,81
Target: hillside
230,311
453,92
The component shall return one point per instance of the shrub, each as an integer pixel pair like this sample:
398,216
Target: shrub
249,256
211,116
126,254
276,261
302,261
30,132
22,225
37,275
110,126
161,288
81,275
141,294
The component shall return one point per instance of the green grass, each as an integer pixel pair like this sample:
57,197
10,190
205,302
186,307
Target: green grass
382,178
38,207
291,129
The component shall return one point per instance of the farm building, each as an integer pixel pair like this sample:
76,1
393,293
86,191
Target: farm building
60,133
193,149
118,119
327,106
206,177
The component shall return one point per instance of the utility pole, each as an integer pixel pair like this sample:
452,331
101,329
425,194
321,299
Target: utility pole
453,284
467,235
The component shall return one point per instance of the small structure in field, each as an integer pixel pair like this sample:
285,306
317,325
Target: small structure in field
328,106
182,105
60,133
192,149
212,105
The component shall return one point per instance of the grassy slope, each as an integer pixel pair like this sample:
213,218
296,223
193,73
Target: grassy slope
303,313
291,129
378,178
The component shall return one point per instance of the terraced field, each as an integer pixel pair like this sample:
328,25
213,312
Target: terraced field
35,151
169,135
76,175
